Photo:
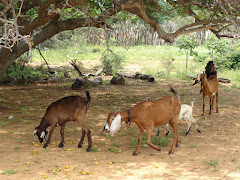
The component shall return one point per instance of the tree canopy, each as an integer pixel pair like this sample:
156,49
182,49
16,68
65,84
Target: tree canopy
26,23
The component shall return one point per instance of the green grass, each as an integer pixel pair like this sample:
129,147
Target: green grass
9,172
212,163
160,61
3,123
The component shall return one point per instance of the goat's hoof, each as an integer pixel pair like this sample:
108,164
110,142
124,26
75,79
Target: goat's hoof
135,154
199,131
88,149
170,153
60,145
159,149
45,145
177,145
79,146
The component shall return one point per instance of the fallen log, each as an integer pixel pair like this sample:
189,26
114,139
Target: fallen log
137,75
221,80
98,73
79,83
73,63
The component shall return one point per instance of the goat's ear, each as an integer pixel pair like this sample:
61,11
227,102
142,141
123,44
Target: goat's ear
196,81
103,129
34,133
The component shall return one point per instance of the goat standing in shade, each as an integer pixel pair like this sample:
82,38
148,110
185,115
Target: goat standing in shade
148,115
209,87
185,114
71,108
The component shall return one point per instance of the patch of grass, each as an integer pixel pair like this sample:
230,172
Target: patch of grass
212,163
236,86
94,149
112,149
17,148
3,123
23,109
131,131
193,146
133,143
226,99
226,90
238,168
110,137
9,172
3,103
234,160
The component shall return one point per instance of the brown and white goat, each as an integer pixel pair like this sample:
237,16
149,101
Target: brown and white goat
71,108
209,87
148,115
185,114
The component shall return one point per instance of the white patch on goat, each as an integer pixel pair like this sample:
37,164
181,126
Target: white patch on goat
42,134
116,125
214,94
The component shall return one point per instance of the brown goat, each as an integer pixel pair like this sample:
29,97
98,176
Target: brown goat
148,115
209,70
209,87
71,108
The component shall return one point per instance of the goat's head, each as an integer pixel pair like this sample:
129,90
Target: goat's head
210,67
198,78
40,134
113,123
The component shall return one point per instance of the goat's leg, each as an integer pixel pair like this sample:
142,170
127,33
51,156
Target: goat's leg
50,135
195,122
211,103
62,135
149,135
158,131
167,126
82,138
189,126
136,152
89,141
174,123
217,101
203,104
85,130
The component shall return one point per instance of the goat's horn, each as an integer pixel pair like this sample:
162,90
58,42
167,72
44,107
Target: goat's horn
34,133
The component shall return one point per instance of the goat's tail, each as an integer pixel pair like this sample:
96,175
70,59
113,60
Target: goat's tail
88,97
193,100
174,92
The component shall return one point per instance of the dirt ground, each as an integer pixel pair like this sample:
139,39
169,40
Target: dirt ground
212,154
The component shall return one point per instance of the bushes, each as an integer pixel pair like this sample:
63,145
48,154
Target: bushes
112,62
232,60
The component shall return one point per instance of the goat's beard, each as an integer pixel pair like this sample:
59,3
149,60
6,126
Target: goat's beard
115,125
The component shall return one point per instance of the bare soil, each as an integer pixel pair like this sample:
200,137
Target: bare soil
212,154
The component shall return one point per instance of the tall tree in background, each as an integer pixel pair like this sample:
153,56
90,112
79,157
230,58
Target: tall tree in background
26,23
